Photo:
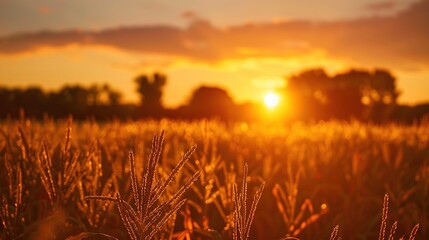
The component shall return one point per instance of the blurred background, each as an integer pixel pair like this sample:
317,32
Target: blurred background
327,101
291,60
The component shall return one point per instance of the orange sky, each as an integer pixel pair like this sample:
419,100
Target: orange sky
247,59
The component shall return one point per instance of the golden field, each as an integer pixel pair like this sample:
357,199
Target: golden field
316,176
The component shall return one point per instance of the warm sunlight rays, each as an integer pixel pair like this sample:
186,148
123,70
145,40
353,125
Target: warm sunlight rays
271,100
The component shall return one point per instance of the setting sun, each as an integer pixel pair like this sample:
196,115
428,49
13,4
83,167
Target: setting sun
271,100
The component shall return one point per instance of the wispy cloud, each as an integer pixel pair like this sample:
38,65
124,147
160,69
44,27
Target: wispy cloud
397,39
381,6
44,10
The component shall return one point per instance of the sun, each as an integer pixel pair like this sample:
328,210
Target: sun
271,100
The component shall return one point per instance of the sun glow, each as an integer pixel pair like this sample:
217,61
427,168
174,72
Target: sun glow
271,100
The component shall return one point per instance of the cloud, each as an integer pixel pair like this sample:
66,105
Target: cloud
269,82
400,39
191,15
44,10
381,6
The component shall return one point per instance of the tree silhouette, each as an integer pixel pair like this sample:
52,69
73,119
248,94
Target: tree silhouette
150,90
308,91
70,100
209,102
114,97
93,93
381,96
313,95
101,102
353,94
345,94
33,101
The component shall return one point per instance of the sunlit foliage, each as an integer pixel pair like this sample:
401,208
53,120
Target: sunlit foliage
316,176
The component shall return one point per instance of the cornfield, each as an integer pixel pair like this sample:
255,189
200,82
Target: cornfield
213,180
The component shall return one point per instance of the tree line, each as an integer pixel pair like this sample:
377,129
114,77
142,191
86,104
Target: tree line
81,102
355,94
312,94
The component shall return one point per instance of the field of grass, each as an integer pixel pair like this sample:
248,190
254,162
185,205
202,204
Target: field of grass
314,177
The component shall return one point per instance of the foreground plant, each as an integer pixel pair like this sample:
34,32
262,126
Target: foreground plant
392,231
286,198
242,218
382,234
60,172
11,216
149,213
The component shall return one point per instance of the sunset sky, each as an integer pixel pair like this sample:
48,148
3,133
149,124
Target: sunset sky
245,46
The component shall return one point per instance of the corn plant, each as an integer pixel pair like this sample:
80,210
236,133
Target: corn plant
242,216
148,215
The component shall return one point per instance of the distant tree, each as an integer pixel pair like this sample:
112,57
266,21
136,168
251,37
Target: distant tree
7,102
308,93
70,100
107,96
380,95
411,114
96,101
114,97
94,93
209,102
150,90
33,101
345,94
352,94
